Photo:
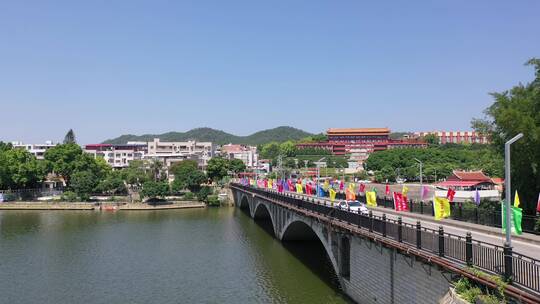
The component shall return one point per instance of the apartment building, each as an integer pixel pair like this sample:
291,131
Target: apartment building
170,152
38,150
118,156
456,137
247,154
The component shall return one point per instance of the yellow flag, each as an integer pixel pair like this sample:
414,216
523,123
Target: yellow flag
299,188
516,200
405,190
352,187
371,198
269,184
332,194
326,185
441,206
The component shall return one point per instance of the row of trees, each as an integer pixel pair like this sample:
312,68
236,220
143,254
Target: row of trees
438,162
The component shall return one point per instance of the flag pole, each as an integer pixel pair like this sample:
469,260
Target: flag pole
508,189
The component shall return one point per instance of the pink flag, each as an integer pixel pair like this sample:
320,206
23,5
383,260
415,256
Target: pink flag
425,191
400,202
538,204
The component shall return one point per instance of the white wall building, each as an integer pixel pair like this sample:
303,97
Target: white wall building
170,152
247,154
38,150
118,156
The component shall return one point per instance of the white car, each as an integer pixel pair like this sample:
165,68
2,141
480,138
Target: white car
354,205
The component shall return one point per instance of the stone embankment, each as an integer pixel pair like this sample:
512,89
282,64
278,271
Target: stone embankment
110,206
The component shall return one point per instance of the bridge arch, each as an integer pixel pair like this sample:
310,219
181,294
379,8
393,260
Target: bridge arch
297,229
263,215
244,203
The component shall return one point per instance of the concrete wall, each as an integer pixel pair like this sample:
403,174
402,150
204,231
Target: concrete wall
376,274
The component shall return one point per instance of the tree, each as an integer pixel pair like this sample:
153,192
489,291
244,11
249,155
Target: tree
70,137
518,111
237,165
287,149
66,159
113,183
217,168
156,167
153,189
135,174
19,169
187,176
270,150
83,183
431,139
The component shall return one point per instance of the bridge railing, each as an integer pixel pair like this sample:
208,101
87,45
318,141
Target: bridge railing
520,269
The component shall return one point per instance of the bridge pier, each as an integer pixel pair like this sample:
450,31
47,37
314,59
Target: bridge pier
367,271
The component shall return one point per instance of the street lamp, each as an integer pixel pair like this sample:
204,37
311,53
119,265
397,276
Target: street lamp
319,173
507,186
421,190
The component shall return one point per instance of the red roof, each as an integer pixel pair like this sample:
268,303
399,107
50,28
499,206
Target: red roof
477,176
459,183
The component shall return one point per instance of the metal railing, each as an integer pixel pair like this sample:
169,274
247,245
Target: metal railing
522,270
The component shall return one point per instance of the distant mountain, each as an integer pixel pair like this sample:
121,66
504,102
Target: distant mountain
279,134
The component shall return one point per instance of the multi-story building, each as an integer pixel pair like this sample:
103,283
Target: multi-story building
456,137
170,152
38,150
247,154
118,156
367,140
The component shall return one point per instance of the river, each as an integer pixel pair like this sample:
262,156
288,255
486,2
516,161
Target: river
215,255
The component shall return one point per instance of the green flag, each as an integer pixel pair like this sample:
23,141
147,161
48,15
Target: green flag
515,219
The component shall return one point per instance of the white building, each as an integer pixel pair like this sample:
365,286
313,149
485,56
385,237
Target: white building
456,137
170,152
38,150
118,156
247,154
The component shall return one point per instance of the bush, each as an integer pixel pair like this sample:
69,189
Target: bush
189,196
212,200
203,194
462,286
69,196
489,299
471,294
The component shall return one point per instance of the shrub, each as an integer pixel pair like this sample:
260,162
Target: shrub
204,193
462,285
69,196
212,200
471,294
189,196
489,299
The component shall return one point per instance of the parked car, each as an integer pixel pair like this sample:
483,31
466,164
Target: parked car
354,206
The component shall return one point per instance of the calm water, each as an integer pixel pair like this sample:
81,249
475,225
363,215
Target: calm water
183,256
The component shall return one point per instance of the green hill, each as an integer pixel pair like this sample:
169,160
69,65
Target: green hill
279,134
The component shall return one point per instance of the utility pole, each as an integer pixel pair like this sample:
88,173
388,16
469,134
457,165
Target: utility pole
421,190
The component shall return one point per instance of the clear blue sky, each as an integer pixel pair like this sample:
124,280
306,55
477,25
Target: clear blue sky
106,68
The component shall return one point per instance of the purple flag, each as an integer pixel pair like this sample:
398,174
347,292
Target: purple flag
477,197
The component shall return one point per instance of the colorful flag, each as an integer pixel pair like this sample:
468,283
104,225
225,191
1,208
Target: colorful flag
400,202
352,187
516,216
538,203
341,185
371,198
387,191
320,192
350,195
450,194
269,184
362,188
299,188
326,185
477,197
441,206
290,184
405,191
425,191
332,193
516,200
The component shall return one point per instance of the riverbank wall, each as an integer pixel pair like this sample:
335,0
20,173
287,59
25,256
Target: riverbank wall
110,206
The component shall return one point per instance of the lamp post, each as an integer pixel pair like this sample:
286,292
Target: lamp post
319,173
421,190
508,196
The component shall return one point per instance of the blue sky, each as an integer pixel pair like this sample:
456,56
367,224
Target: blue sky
106,68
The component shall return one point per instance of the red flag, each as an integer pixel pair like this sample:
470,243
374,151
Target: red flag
538,204
450,194
308,189
400,202
362,188
387,189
